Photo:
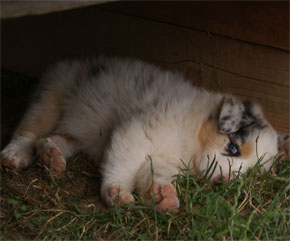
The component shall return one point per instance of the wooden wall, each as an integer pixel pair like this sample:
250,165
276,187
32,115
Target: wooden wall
242,45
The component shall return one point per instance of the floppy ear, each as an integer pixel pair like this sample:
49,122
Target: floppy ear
284,144
235,114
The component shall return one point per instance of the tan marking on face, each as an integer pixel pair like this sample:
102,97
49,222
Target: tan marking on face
209,136
246,149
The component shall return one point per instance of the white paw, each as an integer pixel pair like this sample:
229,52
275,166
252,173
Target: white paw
18,153
50,154
113,195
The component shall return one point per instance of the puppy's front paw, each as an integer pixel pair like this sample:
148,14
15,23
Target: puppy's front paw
113,194
50,155
165,197
18,153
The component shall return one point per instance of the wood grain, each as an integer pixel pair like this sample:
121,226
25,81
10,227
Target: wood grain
261,22
255,72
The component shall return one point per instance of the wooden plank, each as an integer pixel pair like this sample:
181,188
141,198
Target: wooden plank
90,31
12,9
256,72
262,22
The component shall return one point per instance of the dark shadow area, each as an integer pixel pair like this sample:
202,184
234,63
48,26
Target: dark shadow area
16,90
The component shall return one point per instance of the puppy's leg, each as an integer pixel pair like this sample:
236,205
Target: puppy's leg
54,149
118,181
122,160
39,120
155,184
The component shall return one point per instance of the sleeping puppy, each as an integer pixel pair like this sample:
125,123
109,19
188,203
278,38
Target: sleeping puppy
141,121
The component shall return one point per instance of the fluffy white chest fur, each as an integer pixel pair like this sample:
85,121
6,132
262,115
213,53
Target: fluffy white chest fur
132,115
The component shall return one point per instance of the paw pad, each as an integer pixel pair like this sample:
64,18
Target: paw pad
50,155
165,197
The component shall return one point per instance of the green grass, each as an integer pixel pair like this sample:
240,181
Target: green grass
252,207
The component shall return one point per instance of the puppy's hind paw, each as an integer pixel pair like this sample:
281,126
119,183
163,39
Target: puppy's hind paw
50,155
17,154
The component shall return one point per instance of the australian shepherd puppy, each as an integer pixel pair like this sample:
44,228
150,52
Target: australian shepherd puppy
141,121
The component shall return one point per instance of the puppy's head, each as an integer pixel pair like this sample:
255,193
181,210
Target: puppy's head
236,137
